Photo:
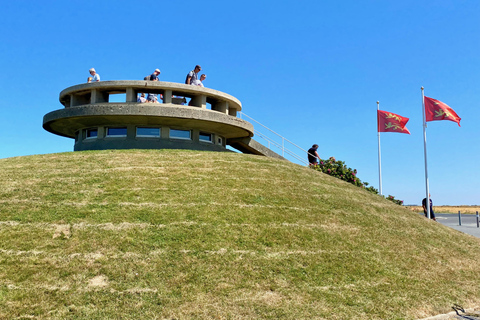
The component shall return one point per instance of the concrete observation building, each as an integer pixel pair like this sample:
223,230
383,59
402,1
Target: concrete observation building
97,124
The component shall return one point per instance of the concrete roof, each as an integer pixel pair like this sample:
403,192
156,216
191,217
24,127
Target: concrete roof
66,121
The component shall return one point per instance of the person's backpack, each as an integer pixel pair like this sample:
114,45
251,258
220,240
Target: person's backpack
186,79
148,78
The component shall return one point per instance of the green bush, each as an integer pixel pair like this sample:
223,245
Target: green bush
339,170
392,198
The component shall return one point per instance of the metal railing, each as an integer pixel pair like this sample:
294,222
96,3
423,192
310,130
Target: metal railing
277,141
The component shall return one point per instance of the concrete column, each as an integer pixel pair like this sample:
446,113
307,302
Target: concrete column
164,132
221,106
131,132
78,100
99,96
195,135
232,112
167,96
200,101
101,133
131,95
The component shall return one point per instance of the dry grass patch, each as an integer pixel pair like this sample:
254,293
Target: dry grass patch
448,209
204,235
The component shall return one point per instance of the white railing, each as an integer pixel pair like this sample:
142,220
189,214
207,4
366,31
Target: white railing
277,141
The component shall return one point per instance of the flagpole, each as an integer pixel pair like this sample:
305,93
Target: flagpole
379,156
427,203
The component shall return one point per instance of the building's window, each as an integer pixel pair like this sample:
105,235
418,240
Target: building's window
77,133
91,133
205,137
180,134
116,132
220,141
148,132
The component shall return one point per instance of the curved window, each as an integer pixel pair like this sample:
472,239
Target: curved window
205,137
116,132
180,134
148,132
91,133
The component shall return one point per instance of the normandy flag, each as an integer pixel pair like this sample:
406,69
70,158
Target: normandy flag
391,122
437,110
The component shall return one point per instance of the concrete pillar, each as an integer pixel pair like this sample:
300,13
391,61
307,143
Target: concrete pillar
131,132
167,96
195,135
101,132
99,96
164,132
200,101
78,100
131,95
221,106
232,112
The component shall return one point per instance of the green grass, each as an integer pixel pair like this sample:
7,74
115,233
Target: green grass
176,234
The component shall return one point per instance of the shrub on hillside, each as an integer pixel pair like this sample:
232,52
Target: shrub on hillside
392,198
339,169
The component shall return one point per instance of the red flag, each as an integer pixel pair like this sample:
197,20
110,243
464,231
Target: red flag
391,122
437,110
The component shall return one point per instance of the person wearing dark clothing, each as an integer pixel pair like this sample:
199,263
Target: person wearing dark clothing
424,205
313,156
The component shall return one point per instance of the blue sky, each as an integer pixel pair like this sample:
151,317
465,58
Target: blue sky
310,70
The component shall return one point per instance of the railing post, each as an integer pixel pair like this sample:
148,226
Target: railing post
478,221
283,147
459,219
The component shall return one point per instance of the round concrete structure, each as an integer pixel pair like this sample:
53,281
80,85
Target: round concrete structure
96,123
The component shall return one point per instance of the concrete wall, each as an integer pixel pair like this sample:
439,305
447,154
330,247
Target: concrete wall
131,141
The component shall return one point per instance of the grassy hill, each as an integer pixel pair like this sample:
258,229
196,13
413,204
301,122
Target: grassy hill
175,234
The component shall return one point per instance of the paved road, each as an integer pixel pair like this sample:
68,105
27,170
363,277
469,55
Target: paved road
469,223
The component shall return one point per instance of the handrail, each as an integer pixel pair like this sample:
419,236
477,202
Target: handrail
277,144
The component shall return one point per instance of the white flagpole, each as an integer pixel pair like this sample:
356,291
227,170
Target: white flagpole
379,156
427,204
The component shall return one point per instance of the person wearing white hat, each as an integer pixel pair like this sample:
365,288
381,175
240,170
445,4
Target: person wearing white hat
155,74
95,75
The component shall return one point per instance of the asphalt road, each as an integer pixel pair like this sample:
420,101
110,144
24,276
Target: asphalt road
469,222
